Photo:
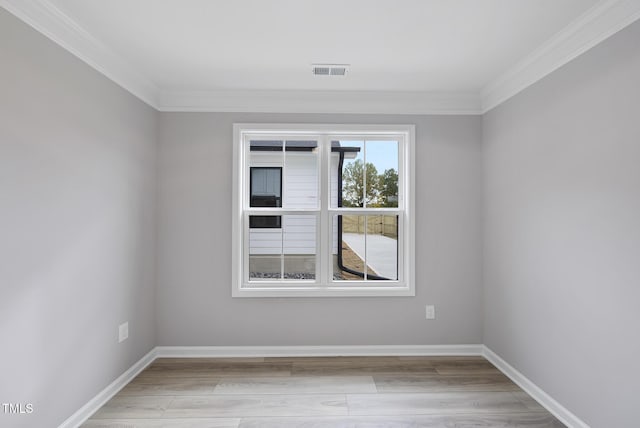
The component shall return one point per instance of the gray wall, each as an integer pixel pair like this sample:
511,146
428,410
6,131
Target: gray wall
194,258
562,232
77,195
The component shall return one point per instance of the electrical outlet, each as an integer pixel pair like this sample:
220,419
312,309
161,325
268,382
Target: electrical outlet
123,332
430,312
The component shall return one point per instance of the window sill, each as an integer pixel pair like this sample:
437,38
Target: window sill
310,291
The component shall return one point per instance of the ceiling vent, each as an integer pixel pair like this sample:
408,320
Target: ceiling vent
330,69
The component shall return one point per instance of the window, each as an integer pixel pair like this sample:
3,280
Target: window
265,191
324,210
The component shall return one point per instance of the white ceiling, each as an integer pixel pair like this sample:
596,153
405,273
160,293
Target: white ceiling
392,45
193,53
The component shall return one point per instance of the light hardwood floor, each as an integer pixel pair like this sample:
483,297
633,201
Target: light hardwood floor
394,392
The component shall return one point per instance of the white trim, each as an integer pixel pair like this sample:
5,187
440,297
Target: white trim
544,399
85,412
237,192
316,351
46,18
290,101
600,22
410,222
324,291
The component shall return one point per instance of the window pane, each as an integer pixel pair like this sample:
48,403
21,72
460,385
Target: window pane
301,174
346,169
265,187
265,222
286,253
382,247
265,191
265,179
261,146
299,246
382,173
265,253
365,247
348,263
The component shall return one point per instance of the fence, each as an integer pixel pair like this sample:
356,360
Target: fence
386,225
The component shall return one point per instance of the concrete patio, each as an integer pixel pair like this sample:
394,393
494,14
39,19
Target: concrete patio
381,251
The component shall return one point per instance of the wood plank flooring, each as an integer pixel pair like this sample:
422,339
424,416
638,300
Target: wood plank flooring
332,392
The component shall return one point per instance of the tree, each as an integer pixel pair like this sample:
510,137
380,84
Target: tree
389,188
353,185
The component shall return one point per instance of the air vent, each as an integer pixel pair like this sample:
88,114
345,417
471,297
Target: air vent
321,71
330,69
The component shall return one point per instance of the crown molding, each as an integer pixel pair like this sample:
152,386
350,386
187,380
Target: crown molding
60,28
289,101
600,22
597,24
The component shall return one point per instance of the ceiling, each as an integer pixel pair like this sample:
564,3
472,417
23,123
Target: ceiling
412,56
392,45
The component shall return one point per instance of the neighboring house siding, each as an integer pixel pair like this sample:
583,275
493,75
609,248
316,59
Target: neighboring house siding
299,234
300,190
301,181
299,237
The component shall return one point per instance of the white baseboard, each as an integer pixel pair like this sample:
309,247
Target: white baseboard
85,412
544,399
315,351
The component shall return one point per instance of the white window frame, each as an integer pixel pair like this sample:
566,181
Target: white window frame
324,285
